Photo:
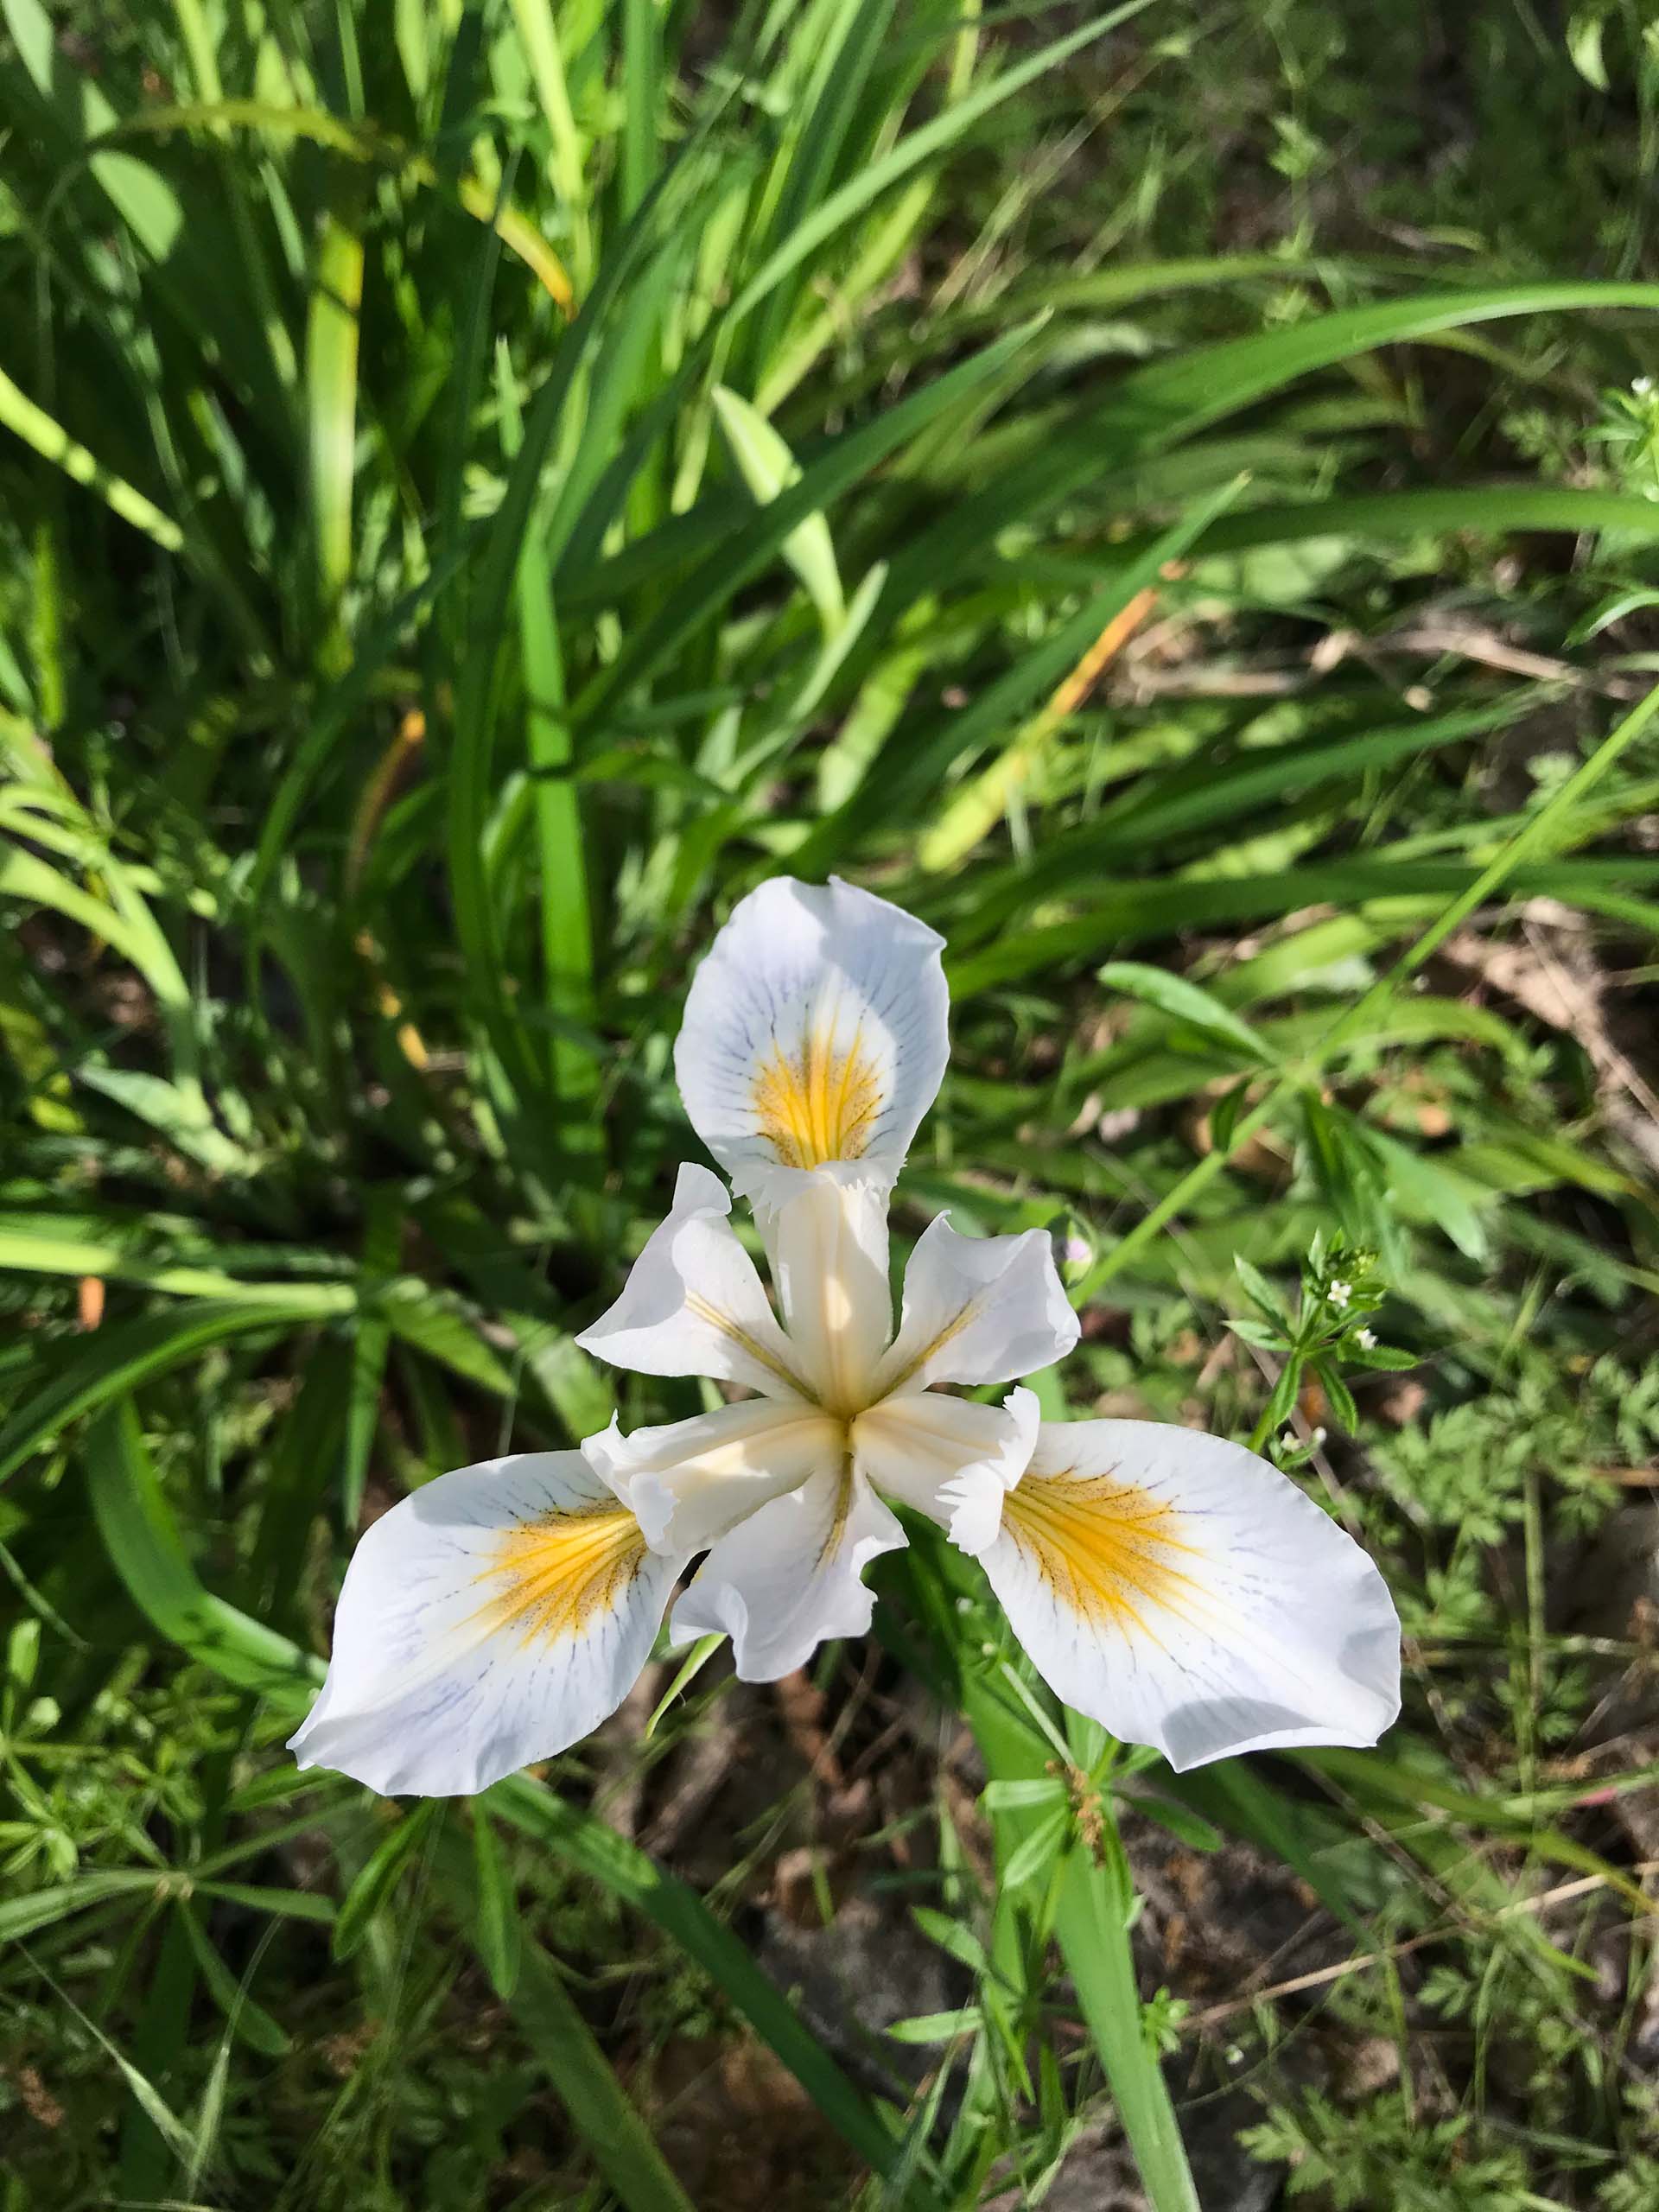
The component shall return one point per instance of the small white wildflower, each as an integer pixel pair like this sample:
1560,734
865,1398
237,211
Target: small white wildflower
1340,1293
1365,1340
1642,387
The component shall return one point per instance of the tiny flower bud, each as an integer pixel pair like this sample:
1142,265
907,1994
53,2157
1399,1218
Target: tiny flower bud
1365,1340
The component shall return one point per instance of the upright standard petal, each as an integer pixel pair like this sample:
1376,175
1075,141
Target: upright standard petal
689,1481
1183,1593
978,1309
828,1247
491,1619
814,1032
791,1575
952,1459
694,1305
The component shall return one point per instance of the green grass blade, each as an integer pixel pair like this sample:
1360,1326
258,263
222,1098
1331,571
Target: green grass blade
607,1858
1501,870
732,565
331,355
642,70
119,1357
500,1938
371,1891
19,414
144,1548
1155,408
916,147
567,923
907,767
564,2045
1090,1909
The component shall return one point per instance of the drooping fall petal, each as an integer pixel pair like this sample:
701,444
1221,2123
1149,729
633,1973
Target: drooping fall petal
494,1617
1184,1593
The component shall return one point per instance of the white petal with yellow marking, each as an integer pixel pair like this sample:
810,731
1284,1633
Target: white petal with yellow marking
978,1309
814,1032
791,1575
1183,1593
950,1458
491,1618
691,1480
693,1303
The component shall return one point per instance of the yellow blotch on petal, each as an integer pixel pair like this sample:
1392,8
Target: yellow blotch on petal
815,1103
1106,1550
554,1577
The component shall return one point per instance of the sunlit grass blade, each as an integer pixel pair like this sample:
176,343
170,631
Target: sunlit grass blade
144,1548
19,414
715,581
119,1357
911,152
915,766
1156,407
331,356
1481,886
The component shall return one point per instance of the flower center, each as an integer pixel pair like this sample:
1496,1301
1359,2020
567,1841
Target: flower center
815,1102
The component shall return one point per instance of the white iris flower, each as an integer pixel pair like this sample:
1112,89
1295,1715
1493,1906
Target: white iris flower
1170,1585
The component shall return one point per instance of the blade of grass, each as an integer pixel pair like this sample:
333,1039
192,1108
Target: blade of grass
905,768
915,148
642,64
121,1355
20,415
1092,1903
731,565
1490,879
567,927
1155,408
331,355
565,2046
144,1548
